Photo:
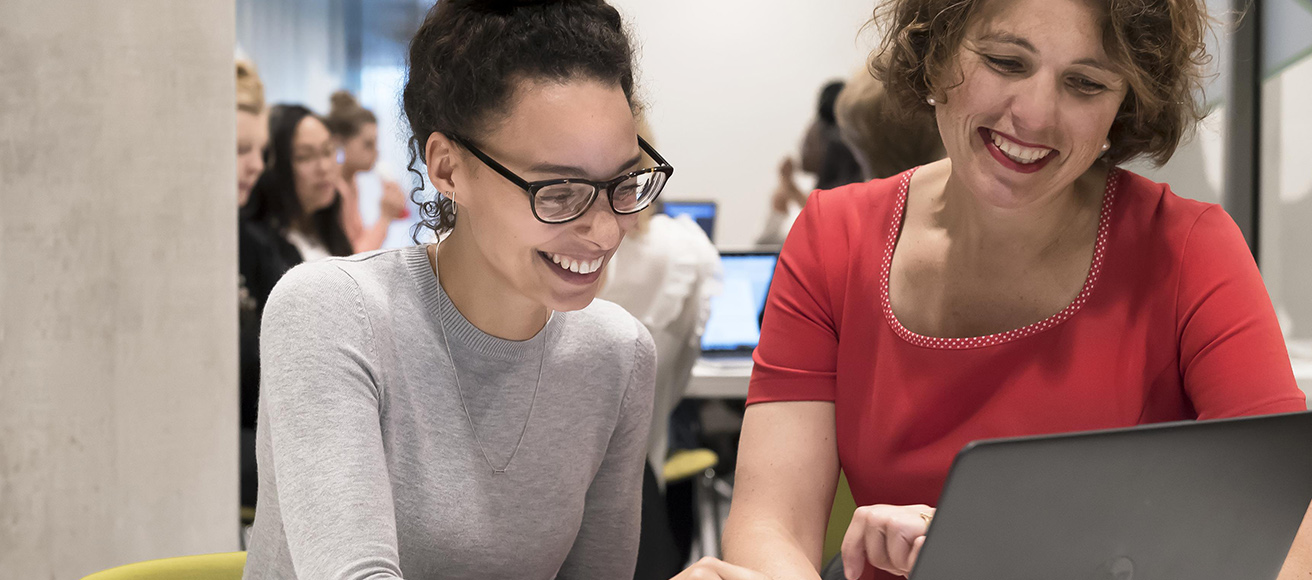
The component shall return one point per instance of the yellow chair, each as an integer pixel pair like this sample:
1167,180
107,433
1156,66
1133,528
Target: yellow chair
686,463
707,501
204,567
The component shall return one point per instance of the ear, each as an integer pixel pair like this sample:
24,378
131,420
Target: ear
441,154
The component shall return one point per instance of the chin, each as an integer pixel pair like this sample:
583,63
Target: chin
573,301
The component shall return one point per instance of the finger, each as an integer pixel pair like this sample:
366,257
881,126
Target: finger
877,543
915,554
900,538
854,546
727,571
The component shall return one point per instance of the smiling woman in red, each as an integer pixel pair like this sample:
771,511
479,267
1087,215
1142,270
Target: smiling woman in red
1024,285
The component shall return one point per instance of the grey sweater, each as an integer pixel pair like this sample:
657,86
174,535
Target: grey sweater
367,464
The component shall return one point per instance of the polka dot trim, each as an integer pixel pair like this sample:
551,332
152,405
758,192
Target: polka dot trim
1099,250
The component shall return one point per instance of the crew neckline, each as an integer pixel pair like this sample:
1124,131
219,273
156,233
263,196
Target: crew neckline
463,332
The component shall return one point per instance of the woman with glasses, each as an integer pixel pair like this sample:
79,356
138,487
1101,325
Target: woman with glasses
466,409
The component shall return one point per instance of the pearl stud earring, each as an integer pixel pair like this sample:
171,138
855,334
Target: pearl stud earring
932,102
1106,145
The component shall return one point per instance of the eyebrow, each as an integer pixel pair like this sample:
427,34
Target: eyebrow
576,171
1007,38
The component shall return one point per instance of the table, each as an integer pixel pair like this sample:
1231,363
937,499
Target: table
719,379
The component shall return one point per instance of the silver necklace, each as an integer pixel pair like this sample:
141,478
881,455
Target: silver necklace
463,406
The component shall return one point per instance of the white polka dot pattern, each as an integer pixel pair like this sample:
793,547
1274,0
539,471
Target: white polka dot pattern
1104,221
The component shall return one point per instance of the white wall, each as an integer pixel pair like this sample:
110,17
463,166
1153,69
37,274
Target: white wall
1286,245
730,86
118,284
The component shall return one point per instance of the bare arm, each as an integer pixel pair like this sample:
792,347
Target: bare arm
786,475
390,208
1298,566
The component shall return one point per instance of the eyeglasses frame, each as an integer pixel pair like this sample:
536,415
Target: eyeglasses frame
531,188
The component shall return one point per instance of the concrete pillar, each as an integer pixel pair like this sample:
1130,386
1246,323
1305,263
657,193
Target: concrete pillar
118,329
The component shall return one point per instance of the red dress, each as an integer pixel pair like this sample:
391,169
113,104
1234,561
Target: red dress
1173,322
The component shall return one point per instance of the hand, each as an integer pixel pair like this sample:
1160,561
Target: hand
786,192
786,169
889,537
393,202
713,569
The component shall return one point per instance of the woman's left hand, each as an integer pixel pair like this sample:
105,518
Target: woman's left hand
889,537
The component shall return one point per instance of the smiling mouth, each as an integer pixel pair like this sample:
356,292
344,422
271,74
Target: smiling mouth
574,265
1023,154
1015,155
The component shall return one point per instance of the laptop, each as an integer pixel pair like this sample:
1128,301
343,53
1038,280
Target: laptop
734,326
1198,500
702,212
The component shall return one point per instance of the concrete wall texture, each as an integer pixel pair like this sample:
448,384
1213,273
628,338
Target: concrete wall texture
118,334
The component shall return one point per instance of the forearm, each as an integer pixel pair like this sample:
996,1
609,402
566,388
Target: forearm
770,549
1298,566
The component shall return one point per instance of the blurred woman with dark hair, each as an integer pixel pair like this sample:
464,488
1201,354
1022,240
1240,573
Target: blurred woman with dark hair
296,197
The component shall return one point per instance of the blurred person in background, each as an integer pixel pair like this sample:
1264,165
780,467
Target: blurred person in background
252,137
884,141
355,130
277,230
824,154
296,198
664,274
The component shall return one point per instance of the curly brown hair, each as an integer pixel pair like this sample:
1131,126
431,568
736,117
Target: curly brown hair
469,55
1159,46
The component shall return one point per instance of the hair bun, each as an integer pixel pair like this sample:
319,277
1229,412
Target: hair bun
343,100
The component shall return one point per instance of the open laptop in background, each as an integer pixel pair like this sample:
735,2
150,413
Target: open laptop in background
1197,500
734,326
702,212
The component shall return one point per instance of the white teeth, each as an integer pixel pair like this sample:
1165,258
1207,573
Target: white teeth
1017,152
576,266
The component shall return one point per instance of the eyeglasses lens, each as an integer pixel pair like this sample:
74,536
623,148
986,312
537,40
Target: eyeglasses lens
564,201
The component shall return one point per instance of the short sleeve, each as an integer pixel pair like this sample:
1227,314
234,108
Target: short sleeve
796,359
1233,359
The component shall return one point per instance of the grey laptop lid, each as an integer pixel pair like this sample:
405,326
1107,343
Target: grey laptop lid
1209,500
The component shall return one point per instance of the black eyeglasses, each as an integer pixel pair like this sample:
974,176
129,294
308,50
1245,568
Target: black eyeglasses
556,201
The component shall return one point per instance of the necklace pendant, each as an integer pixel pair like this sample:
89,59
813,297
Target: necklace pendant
496,471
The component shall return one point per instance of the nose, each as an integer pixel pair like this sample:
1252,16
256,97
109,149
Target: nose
256,164
327,164
600,225
1034,106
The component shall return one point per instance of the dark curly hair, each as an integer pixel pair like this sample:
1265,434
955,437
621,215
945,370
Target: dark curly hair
1157,45
273,200
469,55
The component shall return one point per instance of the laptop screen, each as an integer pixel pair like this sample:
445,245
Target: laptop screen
735,321
702,212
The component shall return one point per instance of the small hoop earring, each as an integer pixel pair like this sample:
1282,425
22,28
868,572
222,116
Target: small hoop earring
452,196
932,102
